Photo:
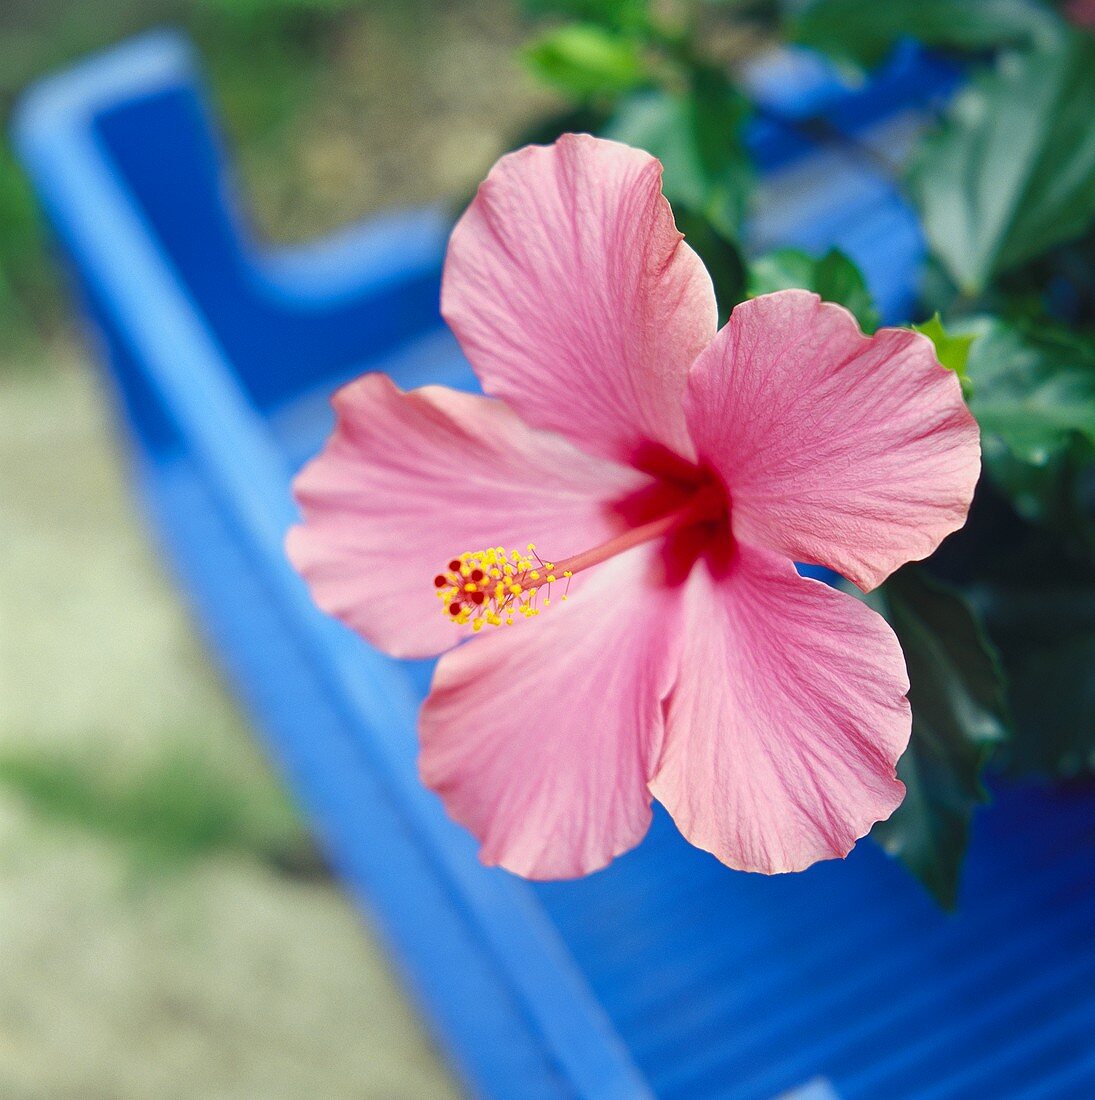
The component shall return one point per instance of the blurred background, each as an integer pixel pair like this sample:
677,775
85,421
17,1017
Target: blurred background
166,928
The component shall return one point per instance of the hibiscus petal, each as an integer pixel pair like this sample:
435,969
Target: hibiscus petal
540,737
575,298
409,480
841,450
786,720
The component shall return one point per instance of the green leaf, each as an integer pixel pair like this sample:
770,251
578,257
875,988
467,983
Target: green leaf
959,718
586,61
1031,391
1056,495
697,135
1045,628
952,350
834,276
584,118
864,31
1012,171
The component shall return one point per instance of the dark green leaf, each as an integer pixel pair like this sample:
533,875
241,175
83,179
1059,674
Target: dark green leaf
1058,494
1012,171
585,118
586,61
749,9
864,31
956,694
1031,391
951,349
1045,628
834,276
697,135
762,11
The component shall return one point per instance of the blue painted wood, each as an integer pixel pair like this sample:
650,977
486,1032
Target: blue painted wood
665,974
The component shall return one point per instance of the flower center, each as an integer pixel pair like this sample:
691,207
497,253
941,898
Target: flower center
490,587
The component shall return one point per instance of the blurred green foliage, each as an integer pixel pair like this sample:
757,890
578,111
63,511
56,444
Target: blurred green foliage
862,32
264,58
1033,389
25,276
613,14
167,814
587,61
256,11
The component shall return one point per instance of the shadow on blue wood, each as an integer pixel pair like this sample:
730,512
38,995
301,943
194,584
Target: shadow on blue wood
666,974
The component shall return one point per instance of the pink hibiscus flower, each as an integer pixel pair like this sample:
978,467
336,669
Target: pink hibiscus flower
670,474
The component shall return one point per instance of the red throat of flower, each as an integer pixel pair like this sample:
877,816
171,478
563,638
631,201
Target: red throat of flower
490,587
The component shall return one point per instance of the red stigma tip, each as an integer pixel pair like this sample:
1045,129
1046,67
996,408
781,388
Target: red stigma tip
454,607
440,581
455,564
477,597
477,575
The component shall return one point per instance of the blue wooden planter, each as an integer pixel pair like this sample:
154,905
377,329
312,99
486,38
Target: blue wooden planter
666,974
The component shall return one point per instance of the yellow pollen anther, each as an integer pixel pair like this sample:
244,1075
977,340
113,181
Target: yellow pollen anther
491,587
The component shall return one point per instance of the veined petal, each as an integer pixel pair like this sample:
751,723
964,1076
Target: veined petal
540,738
838,449
407,481
786,720
575,298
